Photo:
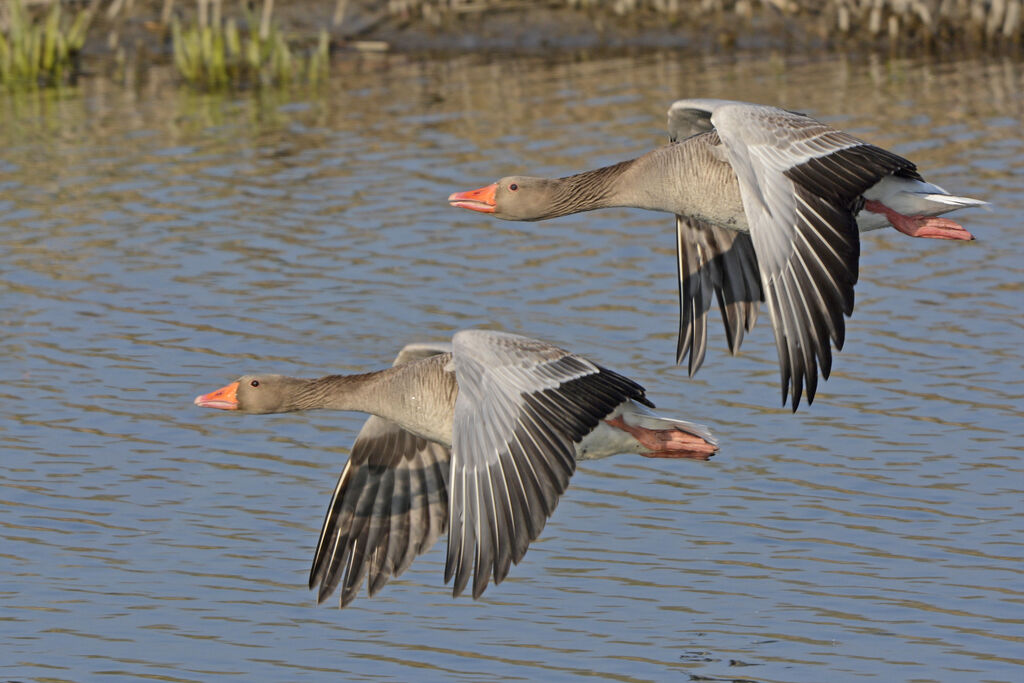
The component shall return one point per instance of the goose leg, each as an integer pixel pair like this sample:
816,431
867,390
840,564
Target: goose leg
920,226
666,443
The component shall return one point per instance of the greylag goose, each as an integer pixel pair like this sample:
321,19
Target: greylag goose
480,435
768,205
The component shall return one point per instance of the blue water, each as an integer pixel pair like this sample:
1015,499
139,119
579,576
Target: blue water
156,244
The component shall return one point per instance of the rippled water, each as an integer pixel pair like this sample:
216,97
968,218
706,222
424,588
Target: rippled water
156,244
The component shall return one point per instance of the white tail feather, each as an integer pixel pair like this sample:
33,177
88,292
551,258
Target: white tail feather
953,200
910,197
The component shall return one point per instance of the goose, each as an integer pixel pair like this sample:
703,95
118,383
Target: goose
769,204
479,436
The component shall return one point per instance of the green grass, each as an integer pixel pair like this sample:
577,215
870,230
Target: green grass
38,52
218,57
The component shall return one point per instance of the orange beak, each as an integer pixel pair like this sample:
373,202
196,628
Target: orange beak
225,398
481,200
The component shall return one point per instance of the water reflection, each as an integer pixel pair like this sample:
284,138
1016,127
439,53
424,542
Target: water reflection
156,241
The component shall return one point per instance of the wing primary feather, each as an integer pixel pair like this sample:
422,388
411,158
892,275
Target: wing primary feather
809,339
520,408
483,559
459,541
421,523
327,530
394,543
548,476
818,312
534,497
525,529
380,519
781,341
505,528
367,509
793,339
336,546
713,263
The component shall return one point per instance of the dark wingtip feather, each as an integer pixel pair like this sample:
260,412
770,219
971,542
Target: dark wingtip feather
366,531
798,388
812,385
480,579
713,263
540,453
461,580
680,350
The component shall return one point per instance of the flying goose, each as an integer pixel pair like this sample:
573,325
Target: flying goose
768,205
479,436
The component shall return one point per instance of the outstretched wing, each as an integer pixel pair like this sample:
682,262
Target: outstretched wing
720,263
801,182
522,406
389,506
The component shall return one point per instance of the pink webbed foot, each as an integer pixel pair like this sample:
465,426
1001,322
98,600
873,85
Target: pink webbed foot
667,443
920,226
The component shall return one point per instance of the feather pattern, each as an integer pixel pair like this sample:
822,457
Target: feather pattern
389,506
801,183
768,207
522,406
714,261
481,439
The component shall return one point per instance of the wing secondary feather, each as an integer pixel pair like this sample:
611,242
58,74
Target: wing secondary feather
389,506
720,263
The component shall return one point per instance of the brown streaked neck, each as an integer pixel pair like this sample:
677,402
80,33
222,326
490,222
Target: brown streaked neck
419,396
657,181
337,392
587,191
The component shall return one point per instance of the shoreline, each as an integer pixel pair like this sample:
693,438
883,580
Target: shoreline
125,40
924,26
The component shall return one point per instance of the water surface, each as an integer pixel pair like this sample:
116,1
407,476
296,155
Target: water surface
156,244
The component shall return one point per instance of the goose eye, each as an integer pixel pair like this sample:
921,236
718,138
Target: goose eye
255,383
513,187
